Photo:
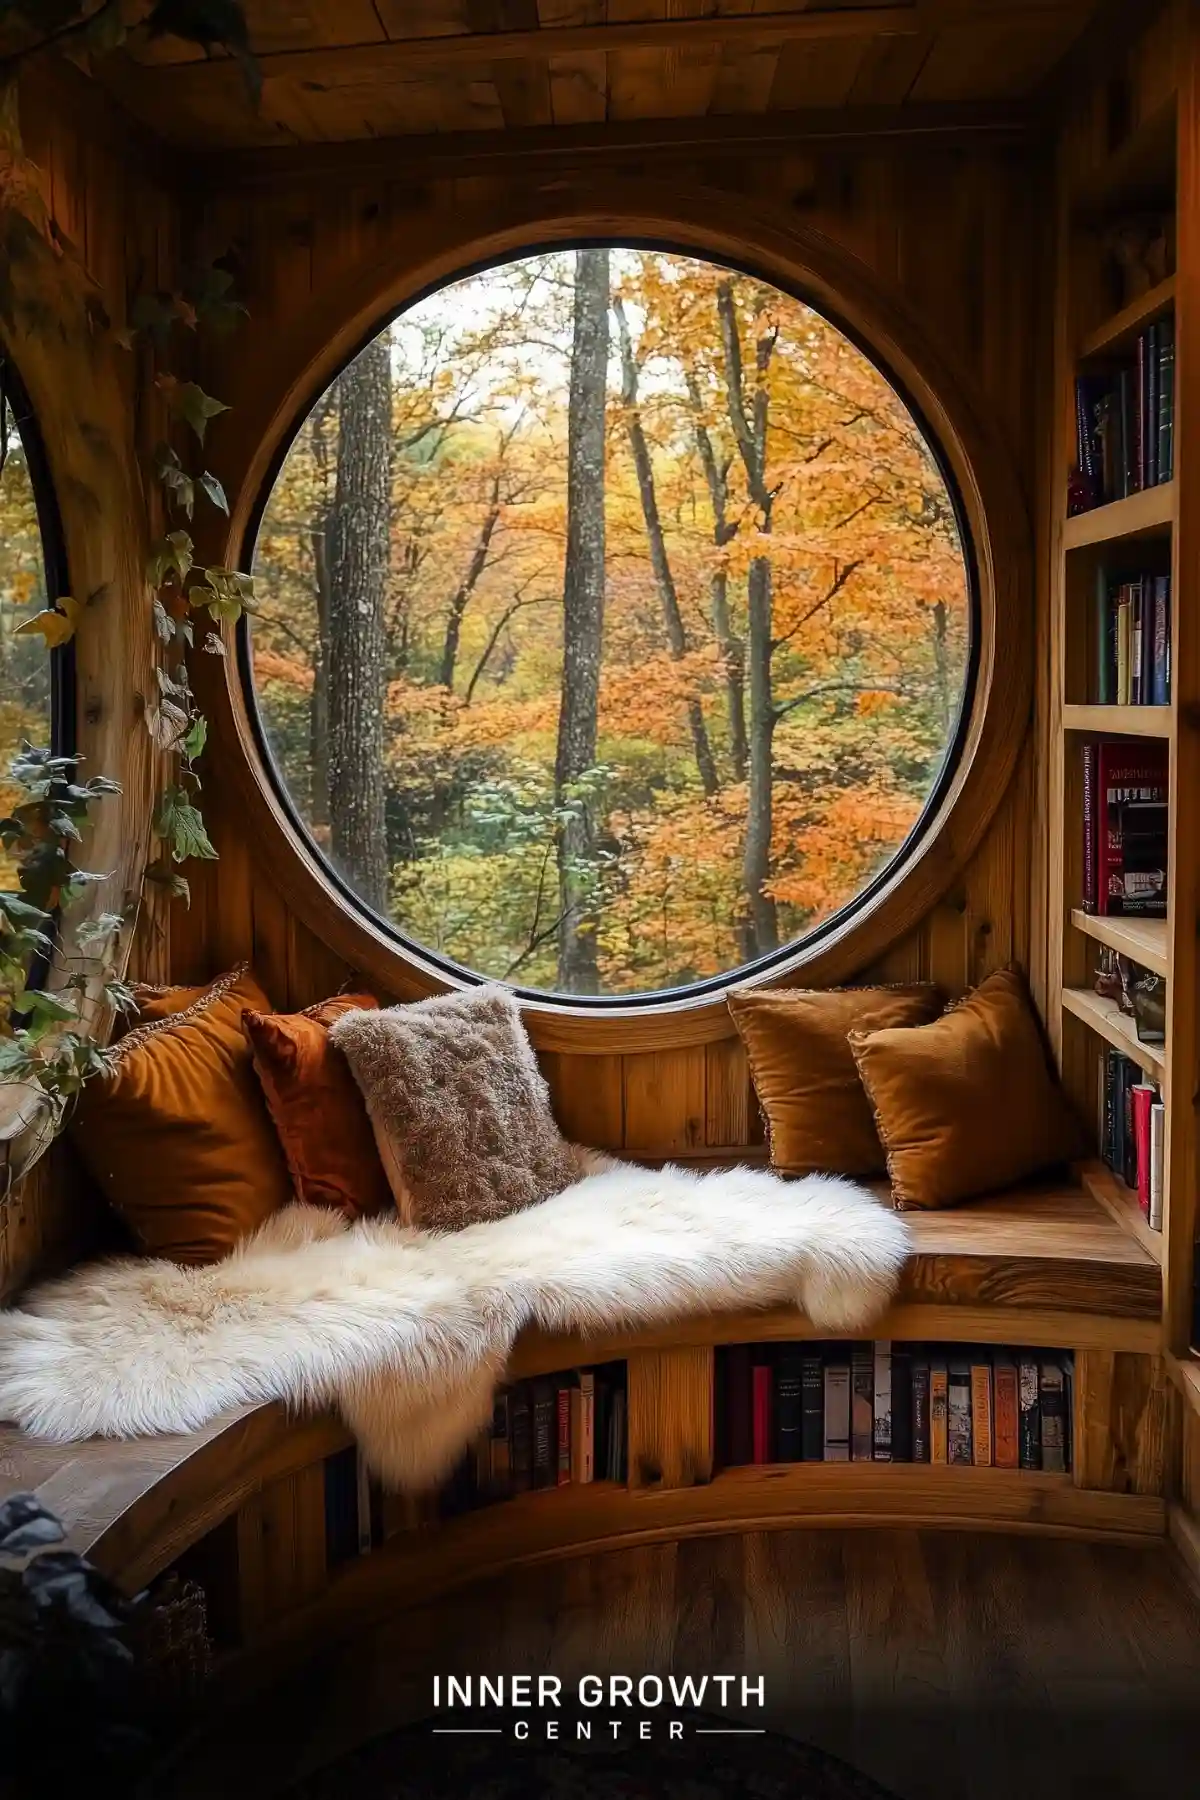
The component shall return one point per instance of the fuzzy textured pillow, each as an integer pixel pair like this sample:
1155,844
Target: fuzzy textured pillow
316,1107
177,1135
460,1109
968,1104
818,1118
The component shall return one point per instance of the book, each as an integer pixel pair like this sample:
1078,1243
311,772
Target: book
1166,400
1160,660
520,1424
1089,897
1158,1141
882,1402
1006,1412
500,1447
1144,1097
1052,1395
921,1447
1029,1421
939,1437
862,1419
1130,828
617,1440
544,1409
902,1403
981,1412
958,1410
789,1404
836,1447
583,1427
813,1413
761,1386
1105,658
562,1408
739,1406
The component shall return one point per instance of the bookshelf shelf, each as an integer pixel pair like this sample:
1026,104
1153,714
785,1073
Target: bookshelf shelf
1120,331
1116,1028
1148,514
1144,941
1122,1204
1185,1374
1120,721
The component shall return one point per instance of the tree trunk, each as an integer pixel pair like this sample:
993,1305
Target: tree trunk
583,623
358,567
659,560
760,925
318,713
733,651
466,587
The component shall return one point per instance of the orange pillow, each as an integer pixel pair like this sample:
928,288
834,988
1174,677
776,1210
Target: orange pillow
968,1104
177,1134
818,1118
317,1108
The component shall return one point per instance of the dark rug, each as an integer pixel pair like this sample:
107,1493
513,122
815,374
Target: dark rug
704,1764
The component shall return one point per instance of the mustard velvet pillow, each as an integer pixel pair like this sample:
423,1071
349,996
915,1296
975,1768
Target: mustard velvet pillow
968,1104
818,1117
177,1134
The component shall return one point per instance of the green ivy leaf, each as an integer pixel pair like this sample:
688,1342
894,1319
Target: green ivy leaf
163,875
36,1004
175,478
216,493
172,555
193,744
188,400
181,827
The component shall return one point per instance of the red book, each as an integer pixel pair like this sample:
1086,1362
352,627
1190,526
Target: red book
1007,1411
564,1436
1089,827
761,1391
1127,775
1144,1097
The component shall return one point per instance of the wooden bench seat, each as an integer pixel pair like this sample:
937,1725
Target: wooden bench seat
1046,1264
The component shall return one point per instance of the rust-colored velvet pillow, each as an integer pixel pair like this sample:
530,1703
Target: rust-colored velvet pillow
317,1108
818,1118
968,1104
178,1135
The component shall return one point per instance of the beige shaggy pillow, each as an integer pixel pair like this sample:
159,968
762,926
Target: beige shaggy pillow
459,1108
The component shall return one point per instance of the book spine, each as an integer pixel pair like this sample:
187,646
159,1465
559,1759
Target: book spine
1158,1141
1126,423
1089,828
902,1403
882,1402
862,1421
562,1400
1108,1116
545,1435
958,1412
1166,401
1151,413
1131,1075
500,1449
1030,1415
739,1405
920,1406
813,1417
836,1447
981,1414
1144,1097
761,1392
1160,686
1138,434
1103,632
1124,642
1007,1413
520,1418
1054,1417
939,1412
1136,640
789,1407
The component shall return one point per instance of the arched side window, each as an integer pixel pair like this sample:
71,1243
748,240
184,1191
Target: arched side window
36,683
617,624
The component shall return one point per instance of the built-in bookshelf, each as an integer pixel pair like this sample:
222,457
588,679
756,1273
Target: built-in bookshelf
1124,663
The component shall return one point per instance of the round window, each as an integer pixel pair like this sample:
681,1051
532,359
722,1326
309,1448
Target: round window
614,623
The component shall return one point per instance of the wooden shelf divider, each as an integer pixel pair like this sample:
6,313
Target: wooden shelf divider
1120,331
1148,514
1120,721
1144,941
1116,1028
1122,1204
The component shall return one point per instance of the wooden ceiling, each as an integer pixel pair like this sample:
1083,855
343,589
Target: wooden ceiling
338,70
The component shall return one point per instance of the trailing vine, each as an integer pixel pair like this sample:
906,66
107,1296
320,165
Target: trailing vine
58,976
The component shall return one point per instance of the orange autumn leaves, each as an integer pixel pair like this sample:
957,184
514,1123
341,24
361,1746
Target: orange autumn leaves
868,620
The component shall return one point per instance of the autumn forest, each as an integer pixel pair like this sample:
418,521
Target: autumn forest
612,622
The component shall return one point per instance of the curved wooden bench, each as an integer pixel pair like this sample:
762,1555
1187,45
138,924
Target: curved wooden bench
1048,1265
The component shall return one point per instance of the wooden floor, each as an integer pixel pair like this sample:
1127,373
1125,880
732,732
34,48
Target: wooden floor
946,1666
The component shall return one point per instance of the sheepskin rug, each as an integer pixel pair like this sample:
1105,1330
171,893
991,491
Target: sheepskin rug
407,1332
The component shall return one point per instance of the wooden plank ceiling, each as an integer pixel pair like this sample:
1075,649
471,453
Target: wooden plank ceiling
336,70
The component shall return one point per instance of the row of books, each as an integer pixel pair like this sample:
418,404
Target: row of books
554,1431
1133,640
1125,421
1125,828
894,1402
1133,1126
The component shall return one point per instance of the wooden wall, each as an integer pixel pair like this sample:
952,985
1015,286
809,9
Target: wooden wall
122,228
956,231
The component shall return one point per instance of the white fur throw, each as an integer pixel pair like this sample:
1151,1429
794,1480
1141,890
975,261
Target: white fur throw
408,1332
